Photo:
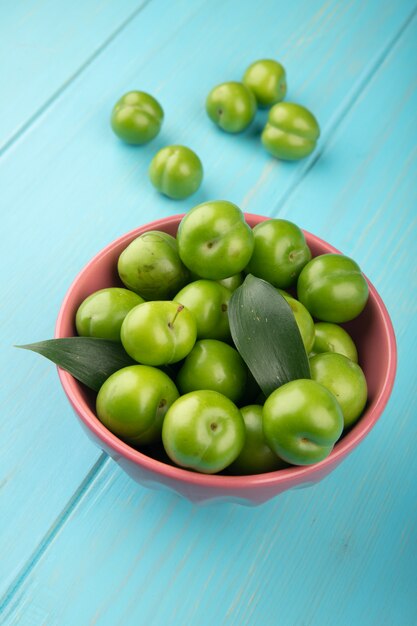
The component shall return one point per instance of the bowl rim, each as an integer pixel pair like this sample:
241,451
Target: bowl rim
293,474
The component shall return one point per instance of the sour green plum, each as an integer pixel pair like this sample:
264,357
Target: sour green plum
232,282
101,314
291,132
214,241
137,117
267,81
203,431
150,266
231,106
330,337
303,319
345,379
302,421
158,333
333,288
133,401
176,171
214,365
256,456
208,301
280,252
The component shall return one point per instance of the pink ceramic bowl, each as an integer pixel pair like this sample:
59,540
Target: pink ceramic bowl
373,334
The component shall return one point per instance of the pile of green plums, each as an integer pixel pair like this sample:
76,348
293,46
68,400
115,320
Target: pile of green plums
191,393
176,171
291,131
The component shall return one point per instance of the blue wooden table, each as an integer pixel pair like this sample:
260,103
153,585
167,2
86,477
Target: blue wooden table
80,543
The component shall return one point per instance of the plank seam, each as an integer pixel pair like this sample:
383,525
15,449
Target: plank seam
344,108
53,531
49,102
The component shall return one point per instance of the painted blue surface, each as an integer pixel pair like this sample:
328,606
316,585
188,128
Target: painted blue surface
80,543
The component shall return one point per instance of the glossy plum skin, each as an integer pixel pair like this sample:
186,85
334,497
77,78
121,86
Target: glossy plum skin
133,401
280,252
204,431
256,456
176,171
101,314
346,381
214,241
232,282
208,301
214,365
137,117
158,332
303,319
333,288
150,266
302,421
291,132
231,106
330,337
267,80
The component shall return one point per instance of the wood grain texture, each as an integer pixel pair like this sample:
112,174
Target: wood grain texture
47,220
94,548
44,46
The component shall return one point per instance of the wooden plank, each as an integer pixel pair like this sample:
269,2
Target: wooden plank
341,552
45,201
44,45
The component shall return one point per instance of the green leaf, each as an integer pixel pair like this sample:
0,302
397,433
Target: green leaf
89,359
266,334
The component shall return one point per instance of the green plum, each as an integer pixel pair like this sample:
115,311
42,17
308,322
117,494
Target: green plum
232,282
330,337
150,265
214,241
137,117
291,132
133,401
158,333
203,431
208,302
345,379
176,171
333,288
101,314
267,81
280,252
256,456
302,421
232,106
214,365
303,318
